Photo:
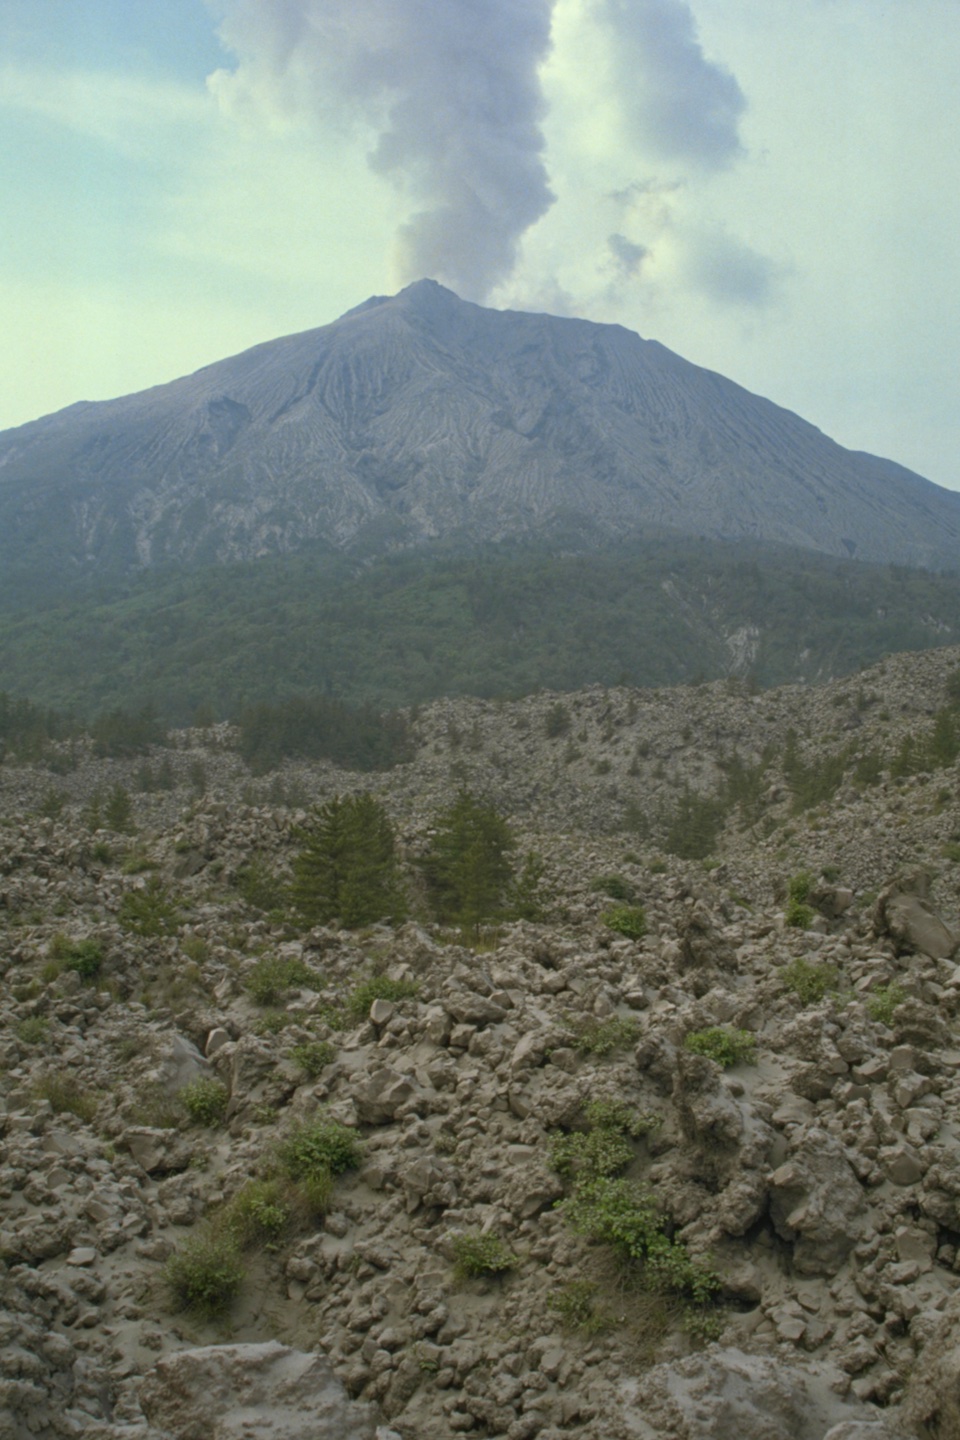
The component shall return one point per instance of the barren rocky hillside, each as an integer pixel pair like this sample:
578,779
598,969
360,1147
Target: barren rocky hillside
693,1176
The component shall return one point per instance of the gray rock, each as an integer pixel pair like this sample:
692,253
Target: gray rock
230,1392
817,1202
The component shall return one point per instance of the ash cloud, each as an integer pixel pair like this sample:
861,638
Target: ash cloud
678,103
452,94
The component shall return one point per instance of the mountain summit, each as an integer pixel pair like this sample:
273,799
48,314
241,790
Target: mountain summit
418,416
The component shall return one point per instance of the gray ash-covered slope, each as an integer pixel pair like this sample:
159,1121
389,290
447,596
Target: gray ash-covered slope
420,415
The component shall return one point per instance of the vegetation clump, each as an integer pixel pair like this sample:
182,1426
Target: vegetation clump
798,914
205,1273
378,987
809,980
468,867
347,867
628,920
205,1101
883,1001
724,1044
271,977
149,912
313,1153
83,956
601,1037
312,1057
476,1254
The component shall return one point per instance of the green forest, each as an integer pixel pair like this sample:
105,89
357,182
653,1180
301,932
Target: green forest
497,622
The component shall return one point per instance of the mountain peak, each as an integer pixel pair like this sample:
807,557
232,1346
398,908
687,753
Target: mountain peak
438,417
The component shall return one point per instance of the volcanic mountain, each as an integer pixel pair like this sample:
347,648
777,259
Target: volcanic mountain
420,416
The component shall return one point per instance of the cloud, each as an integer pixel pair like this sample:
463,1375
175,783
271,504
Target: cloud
627,255
449,95
726,270
677,104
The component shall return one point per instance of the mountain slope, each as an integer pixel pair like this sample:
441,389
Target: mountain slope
420,415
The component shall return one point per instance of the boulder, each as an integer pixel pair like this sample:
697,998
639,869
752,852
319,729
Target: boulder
231,1392
817,1203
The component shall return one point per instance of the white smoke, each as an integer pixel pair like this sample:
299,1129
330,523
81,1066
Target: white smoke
450,90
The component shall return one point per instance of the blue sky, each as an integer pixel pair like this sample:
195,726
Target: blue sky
770,190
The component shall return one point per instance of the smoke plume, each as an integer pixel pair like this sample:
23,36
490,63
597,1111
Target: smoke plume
450,90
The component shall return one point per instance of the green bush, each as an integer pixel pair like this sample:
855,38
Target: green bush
313,1056
149,912
475,1254
602,1037
33,1030
319,1147
615,887
883,1001
628,920
268,981
576,1306
722,1043
379,987
619,1213
259,1214
259,887
205,1101
810,981
205,1273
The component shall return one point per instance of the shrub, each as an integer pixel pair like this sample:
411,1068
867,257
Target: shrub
722,1043
883,1002
205,1273
602,1037
259,887
810,982
379,987
319,1148
476,1254
205,1101
312,1056
33,1030
259,1214
798,913
613,886
271,977
149,912
576,1307
618,1213
557,720
628,920
86,958
66,1097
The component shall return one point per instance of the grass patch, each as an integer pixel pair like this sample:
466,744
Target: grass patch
205,1101
628,920
602,1037
312,1057
66,1097
809,981
882,1002
272,977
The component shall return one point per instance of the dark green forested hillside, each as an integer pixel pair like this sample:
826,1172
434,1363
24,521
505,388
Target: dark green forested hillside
501,621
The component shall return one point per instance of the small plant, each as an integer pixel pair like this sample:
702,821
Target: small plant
205,1101
809,981
33,1030
951,851
149,912
205,1273
576,1306
271,977
66,1097
83,956
259,1214
602,1037
883,1002
798,913
319,1147
613,886
475,1254
724,1044
312,1056
628,920
378,987
557,721
259,887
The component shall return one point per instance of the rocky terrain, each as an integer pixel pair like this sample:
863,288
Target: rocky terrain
443,1286
418,416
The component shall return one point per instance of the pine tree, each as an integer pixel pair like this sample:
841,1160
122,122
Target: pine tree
347,867
468,869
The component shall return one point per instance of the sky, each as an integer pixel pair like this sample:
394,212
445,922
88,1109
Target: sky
768,187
